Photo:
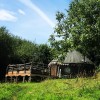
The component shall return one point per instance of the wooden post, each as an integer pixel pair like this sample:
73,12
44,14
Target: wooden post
23,79
70,76
30,78
59,73
11,79
16,79
6,79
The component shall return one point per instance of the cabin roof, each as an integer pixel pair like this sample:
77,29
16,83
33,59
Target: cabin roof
76,57
54,62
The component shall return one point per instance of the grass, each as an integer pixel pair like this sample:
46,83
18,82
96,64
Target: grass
58,89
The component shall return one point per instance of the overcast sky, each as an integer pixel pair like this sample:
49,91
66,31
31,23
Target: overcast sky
33,20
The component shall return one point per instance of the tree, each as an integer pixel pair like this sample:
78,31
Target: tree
5,50
25,51
80,29
43,54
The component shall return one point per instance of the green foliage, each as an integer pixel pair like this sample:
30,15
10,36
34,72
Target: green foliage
60,89
13,49
6,49
8,91
84,26
25,51
5,46
80,29
44,54
16,50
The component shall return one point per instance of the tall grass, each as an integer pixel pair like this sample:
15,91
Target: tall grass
59,89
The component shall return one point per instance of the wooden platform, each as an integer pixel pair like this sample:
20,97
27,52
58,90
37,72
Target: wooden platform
25,72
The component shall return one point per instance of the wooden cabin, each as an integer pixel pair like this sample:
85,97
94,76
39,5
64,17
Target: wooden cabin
25,72
75,64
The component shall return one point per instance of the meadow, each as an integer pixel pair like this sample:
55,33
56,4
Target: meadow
53,89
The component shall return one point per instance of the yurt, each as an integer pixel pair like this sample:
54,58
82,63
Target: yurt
77,64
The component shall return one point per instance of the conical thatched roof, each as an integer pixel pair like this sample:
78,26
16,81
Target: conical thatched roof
76,57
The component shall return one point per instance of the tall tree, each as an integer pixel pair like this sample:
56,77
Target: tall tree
6,43
80,28
5,50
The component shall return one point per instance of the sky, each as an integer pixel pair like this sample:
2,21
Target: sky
33,20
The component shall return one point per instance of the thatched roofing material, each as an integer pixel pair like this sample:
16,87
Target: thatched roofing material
76,57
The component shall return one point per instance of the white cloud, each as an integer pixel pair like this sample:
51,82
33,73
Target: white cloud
32,6
6,15
21,11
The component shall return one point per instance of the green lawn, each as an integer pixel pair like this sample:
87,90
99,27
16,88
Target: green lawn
59,89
